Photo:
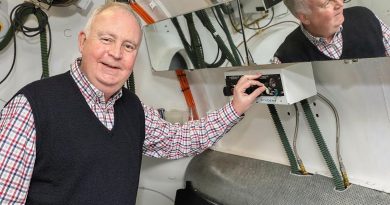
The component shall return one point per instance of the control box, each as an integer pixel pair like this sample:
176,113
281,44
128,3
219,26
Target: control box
285,83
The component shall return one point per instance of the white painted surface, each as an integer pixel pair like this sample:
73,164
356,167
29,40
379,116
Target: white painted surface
359,91
364,139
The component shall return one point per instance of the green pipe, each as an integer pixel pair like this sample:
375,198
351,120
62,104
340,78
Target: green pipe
227,33
131,83
221,44
186,45
322,145
44,55
284,139
195,41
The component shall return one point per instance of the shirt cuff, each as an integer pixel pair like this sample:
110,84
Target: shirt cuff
229,115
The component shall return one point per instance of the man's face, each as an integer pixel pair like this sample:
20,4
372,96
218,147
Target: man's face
109,49
325,18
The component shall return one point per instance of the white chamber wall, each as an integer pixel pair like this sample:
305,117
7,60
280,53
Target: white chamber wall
160,178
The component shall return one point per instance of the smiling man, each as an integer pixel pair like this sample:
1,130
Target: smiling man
78,138
328,31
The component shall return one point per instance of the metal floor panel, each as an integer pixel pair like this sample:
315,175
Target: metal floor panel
234,180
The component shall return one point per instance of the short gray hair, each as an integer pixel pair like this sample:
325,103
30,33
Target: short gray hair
108,6
297,6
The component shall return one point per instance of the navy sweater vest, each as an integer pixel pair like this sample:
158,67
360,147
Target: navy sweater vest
362,38
78,160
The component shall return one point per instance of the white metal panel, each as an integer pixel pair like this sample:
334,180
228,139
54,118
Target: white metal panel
360,94
366,156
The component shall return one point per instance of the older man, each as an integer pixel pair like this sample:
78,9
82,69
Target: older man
78,137
329,32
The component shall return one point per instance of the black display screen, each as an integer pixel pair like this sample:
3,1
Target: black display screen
272,82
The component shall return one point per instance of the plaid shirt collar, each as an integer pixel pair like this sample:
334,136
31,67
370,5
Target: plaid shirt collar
89,91
317,41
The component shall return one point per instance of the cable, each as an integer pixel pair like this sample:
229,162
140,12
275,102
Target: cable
225,28
299,160
216,57
232,22
179,73
337,179
18,16
283,138
239,53
49,29
215,16
260,31
336,115
243,32
269,22
205,20
157,192
185,87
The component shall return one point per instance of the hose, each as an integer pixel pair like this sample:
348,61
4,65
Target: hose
19,15
44,56
186,45
195,42
225,28
284,139
182,78
299,160
221,45
130,83
322,145
341,164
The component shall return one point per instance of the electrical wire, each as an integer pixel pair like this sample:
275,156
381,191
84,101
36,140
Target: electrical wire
226,30
267,24
250,57
239,53
233,23
18,17
215,16
185,87
256,21
336,115
216,57
262,30
218,14
49,49
337,178
243,31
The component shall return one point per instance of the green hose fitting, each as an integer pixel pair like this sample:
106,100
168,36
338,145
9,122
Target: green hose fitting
302,167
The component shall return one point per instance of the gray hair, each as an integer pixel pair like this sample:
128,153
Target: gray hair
108,6
297,6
